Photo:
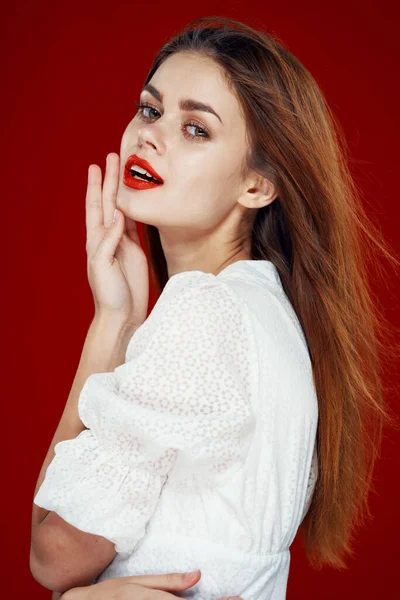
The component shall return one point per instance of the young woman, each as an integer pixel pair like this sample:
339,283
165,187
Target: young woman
206,435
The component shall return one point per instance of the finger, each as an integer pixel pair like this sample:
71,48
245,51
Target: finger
131,230
167,582
107,249
93,207
110,187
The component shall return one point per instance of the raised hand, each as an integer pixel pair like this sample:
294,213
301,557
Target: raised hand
116,263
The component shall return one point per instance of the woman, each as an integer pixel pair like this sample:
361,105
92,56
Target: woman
205,436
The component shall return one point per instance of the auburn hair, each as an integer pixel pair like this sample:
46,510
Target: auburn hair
320,239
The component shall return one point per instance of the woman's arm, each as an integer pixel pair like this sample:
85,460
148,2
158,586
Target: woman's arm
62,556
137,587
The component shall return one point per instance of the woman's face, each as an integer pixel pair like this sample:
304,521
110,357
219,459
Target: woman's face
198,155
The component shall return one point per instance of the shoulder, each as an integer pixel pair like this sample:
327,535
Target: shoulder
195,297
194,310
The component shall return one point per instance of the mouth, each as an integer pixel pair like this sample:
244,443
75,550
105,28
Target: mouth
139,174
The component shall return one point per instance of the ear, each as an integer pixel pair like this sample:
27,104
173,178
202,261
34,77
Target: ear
259,191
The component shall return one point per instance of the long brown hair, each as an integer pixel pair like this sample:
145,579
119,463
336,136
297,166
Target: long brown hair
320,239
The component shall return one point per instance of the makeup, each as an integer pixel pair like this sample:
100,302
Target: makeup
140,175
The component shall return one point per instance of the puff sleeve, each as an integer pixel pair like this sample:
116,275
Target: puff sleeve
179,404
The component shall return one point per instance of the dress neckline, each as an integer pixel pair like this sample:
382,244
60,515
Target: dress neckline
265,267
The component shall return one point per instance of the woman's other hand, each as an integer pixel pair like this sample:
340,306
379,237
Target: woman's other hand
137,588
117,265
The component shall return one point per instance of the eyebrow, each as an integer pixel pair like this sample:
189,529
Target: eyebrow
184,104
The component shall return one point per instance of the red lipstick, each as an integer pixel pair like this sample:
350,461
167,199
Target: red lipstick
135,182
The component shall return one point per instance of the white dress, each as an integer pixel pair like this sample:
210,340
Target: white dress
200,451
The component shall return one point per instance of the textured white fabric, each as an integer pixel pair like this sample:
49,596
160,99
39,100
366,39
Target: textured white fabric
200,449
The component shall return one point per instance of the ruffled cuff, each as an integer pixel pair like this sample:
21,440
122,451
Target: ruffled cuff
97,492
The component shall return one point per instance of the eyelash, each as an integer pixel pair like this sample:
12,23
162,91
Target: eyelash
141,106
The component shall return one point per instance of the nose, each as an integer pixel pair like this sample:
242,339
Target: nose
151,136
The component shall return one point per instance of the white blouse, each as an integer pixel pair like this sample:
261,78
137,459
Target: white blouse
200,451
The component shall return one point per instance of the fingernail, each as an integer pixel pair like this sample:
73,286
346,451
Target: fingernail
115,216
190,574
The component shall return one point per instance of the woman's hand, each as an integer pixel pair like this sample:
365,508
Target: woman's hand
137,588
116,263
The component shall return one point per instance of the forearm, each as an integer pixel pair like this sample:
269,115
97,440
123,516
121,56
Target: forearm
104,349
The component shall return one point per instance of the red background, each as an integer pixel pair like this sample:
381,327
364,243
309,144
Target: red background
72,72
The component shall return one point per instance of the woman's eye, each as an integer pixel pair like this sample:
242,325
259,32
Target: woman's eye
200,130
144,107
202,134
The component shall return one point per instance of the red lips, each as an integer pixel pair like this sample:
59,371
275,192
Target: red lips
134,182
136,160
